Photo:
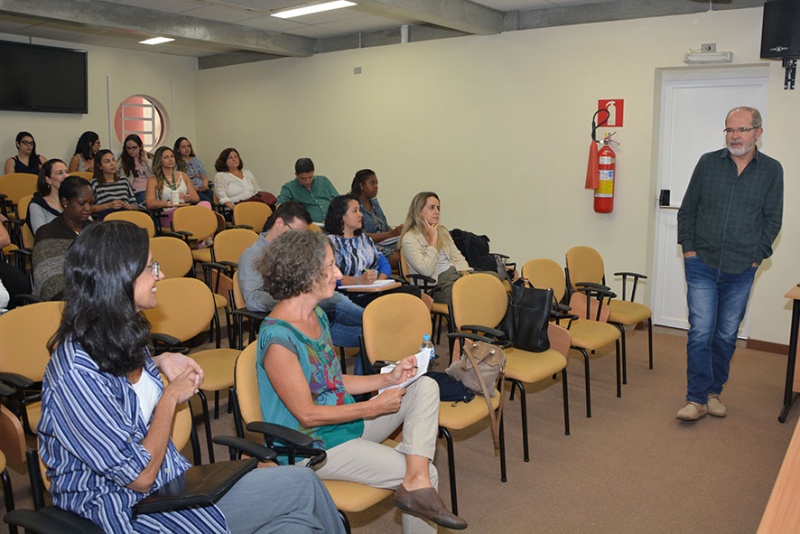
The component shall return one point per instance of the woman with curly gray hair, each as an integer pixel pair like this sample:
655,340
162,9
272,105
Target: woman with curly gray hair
301,386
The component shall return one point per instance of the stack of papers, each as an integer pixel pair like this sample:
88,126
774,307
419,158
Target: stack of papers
422,368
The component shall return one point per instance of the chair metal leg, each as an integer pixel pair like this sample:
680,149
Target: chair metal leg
565,392
588,384
216,405
619,383
9,497
207,423
516,384
650,339
345,521
35,474
621,329
195,441
451,466
502,431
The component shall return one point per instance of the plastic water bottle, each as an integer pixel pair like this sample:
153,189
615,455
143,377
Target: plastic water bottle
427,349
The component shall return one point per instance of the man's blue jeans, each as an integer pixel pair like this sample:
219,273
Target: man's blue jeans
345,319
717,304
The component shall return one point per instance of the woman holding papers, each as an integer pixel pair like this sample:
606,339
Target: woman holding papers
302,386
357,257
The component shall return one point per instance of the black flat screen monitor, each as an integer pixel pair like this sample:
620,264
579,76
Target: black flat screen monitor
42,78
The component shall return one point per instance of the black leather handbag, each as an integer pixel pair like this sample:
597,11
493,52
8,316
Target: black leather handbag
526,320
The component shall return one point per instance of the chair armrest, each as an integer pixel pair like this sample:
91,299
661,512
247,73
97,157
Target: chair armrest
284,434
467,335
636,277
172,234
591,285
425,282
498,336
6,391
16,381
294,443
255,450
256,316
51,519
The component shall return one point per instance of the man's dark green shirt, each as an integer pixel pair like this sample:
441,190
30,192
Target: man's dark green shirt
732,220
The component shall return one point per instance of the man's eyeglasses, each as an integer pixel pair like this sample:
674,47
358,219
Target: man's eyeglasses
739,130
155,268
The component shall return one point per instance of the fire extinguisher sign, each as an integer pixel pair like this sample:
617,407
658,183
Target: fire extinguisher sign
615,108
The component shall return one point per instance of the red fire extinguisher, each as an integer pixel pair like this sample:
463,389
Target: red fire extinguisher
604,194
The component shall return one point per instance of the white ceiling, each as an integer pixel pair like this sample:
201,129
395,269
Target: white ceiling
204,28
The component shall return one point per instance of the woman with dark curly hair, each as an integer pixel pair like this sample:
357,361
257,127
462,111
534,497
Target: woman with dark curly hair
106,416
301,386
135,165
357,257
375,225
83,158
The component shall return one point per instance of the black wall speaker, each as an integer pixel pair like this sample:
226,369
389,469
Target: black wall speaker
780,32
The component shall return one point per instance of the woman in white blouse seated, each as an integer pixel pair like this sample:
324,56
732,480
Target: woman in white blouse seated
233,183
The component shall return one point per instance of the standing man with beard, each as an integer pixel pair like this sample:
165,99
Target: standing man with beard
729,218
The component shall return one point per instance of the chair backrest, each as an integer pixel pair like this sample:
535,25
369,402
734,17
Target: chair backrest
173,254
229,244
185,308
24,332
246,384
22,214
88,175
584,264
544,273
17,185
479,299
12,436
393,326
252,214
238,297
200,222
314,227
139,218
560,339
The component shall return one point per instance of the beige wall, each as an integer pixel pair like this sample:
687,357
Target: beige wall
168,79
499,126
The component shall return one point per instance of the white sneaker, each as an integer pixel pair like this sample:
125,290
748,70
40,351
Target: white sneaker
692,412
715,406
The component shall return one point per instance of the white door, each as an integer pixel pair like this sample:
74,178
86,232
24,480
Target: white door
694,103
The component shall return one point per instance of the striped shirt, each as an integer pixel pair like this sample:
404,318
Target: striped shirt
90,437
110,191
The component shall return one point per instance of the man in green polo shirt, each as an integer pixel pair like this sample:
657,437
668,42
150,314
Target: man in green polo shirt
729,218
313,192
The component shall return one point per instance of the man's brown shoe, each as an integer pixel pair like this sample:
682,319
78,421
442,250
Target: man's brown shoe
427,504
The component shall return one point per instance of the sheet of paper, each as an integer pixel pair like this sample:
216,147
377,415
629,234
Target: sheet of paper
390,240
422,368
376,283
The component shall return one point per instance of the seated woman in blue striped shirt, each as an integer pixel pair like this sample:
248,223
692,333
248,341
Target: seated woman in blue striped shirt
356,255
106,416
111,193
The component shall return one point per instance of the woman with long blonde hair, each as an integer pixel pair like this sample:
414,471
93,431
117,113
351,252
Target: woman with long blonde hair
428,248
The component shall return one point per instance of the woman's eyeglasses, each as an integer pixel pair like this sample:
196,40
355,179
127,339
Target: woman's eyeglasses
155,268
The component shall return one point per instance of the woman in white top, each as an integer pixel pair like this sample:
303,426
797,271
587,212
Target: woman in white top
135,165
45,205
234,184
169,187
